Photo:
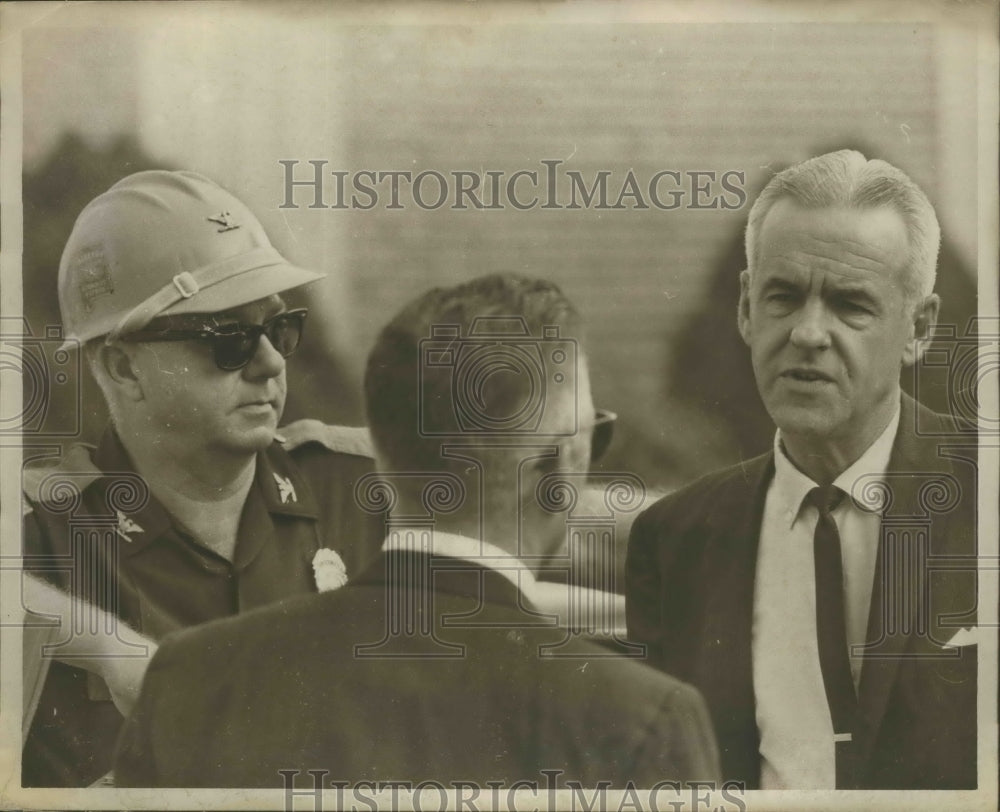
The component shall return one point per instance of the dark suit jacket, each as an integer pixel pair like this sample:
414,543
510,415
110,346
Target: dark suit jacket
690,588
288,688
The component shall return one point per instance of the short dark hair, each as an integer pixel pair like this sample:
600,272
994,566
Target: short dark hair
401,399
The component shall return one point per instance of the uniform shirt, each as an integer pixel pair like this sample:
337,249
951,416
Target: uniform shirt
793,718
119,549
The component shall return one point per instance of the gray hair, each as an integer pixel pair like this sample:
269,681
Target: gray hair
847,178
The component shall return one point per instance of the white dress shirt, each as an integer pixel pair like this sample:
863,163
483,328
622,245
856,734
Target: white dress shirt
551,599
793,718
451,545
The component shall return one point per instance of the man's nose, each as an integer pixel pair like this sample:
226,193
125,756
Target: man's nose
811,330
266,362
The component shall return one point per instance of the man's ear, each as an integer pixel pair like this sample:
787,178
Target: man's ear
117,367
925,316
743,309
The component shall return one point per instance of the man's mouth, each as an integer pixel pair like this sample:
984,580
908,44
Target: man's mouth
806,375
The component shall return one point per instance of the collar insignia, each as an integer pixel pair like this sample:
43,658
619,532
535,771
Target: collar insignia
223,218
286,490
126,526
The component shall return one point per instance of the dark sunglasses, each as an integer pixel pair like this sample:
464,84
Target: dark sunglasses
233,345
604,429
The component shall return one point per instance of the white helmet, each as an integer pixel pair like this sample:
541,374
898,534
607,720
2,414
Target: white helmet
159,243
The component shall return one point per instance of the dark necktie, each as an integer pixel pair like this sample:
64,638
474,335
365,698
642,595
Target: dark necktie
831,629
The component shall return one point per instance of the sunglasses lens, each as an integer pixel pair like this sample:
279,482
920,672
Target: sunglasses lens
234,350
285,331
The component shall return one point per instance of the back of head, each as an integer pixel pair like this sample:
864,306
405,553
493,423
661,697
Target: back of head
161,243
847,179
490,358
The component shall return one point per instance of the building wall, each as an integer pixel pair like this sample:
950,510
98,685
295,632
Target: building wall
233,100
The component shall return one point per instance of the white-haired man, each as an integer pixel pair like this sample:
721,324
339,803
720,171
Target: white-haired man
805,608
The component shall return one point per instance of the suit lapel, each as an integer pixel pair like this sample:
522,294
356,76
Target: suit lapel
892,617
725,663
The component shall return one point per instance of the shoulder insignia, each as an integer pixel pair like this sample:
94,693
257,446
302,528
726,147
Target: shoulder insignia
126,526
343,439
76,462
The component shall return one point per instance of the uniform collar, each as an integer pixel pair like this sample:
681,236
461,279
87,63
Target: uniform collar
143,519
278,490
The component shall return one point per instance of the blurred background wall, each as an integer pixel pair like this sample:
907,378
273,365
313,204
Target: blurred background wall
231,94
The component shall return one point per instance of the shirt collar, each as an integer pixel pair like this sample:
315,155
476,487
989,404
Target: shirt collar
874,462
452,545
791,485
117,468
284,488
112,458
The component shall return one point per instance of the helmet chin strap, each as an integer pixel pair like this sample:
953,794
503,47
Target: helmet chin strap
187,284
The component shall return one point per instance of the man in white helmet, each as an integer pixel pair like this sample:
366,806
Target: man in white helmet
193,506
